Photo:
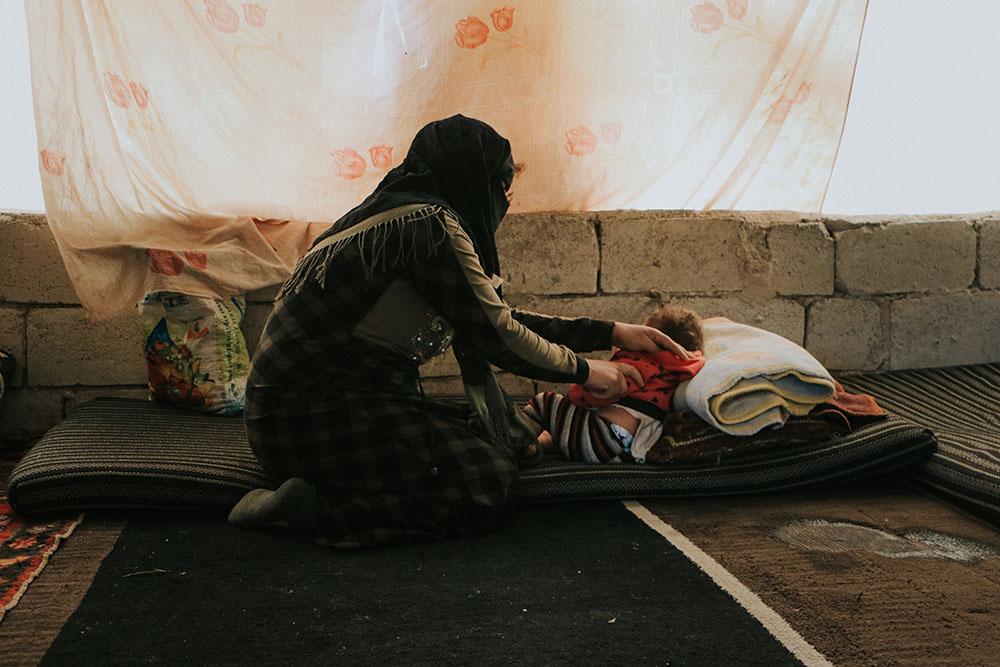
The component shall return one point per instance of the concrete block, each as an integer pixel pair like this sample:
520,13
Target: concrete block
443,386
642,252
74,398
515,385
617,308
945,330
31,268
441,365
783,317
548,253
803,258
27,413
263,295
557,387
451,385
65,349
252,325
989,254
563,387
846,334
12,339
906,257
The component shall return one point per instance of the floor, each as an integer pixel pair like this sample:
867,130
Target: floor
873,573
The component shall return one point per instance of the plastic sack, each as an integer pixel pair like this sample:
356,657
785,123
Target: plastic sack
196,354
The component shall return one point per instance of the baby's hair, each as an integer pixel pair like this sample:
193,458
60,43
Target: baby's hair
681,324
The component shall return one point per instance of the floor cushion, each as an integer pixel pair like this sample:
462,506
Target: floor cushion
117,452
961,405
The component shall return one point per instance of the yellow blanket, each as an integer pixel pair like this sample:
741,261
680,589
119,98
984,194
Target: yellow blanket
752,379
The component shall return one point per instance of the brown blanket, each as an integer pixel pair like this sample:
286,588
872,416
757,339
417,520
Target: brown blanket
689,439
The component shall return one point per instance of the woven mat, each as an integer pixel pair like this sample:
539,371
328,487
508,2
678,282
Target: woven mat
118,453
961,405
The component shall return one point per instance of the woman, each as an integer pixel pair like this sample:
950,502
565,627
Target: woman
334,405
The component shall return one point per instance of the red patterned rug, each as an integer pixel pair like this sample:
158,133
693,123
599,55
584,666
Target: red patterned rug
25,547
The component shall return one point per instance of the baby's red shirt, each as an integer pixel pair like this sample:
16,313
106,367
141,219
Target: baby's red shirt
662,371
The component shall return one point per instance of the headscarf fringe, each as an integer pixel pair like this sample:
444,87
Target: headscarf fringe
312,267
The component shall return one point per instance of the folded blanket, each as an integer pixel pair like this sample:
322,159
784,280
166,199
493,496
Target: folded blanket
752,379
688,439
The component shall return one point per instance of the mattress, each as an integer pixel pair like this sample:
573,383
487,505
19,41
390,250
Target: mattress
130,453
961,406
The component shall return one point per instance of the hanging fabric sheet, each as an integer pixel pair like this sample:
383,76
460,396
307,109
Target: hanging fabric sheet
200,146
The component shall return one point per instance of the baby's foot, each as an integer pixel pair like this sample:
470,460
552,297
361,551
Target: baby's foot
546,442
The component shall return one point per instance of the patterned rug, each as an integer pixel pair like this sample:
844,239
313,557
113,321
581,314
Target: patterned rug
25,547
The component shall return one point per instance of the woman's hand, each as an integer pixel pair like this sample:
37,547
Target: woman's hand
640,338
608,379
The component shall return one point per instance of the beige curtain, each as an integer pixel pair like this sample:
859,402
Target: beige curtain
200,145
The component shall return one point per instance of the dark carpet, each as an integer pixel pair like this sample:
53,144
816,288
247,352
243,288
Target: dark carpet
570,583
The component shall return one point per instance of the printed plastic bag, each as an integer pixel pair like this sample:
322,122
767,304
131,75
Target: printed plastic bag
195,351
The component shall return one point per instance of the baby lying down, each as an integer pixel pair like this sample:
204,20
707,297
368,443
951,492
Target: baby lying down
582,427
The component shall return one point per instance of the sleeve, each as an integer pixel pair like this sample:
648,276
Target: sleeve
580,334
447,273
578,395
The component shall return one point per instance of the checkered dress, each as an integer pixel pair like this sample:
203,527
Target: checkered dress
349,416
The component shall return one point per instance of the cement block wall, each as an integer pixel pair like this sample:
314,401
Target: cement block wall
859,293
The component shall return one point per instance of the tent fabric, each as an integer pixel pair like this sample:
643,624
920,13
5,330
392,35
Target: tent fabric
199,146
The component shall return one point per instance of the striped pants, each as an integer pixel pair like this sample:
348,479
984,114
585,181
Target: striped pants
580,433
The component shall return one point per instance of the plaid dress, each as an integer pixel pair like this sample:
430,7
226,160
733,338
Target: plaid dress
347,415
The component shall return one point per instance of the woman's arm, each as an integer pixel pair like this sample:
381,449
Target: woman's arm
447,273
580,334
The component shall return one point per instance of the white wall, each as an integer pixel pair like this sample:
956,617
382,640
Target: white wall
20,183
922,132
923,126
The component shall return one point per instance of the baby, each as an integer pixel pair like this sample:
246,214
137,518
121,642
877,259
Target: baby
582,427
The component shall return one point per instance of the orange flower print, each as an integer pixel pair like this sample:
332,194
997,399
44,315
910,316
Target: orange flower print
254,14
381,156
165,261
611,132
706,17
198,260
580,141
737,8
471,33
222,16
803,93
503,18
350,164
52,162
117,89
140,94
779,110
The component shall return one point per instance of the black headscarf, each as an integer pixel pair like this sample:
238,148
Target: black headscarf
460,163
